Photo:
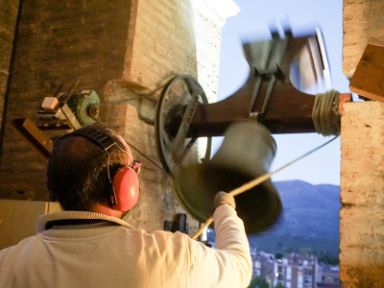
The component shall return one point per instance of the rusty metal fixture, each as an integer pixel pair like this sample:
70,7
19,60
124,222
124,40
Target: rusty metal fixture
93,110
63,111
85,106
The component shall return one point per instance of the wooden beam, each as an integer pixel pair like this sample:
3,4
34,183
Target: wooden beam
368,78
34,135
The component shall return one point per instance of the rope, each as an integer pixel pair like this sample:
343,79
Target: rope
253,183
325,114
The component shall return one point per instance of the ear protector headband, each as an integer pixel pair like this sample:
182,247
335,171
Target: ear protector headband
125,190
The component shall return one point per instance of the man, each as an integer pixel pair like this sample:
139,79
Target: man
89,245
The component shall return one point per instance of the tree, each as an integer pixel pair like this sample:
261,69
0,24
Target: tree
258,282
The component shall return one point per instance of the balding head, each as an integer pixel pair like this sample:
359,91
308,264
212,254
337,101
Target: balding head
77,168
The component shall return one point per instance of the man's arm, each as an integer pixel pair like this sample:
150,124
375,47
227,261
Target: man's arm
229,265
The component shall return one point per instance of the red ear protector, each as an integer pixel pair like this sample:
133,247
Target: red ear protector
125,190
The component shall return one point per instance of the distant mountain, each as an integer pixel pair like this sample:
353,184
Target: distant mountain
309,223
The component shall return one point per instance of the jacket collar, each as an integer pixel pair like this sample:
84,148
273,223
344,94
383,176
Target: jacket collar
43,220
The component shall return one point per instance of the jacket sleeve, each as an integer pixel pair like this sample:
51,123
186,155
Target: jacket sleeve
227,265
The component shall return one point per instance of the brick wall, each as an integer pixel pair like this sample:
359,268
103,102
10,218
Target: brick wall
58,43
162,42
8,16
121,49
181,37
362,196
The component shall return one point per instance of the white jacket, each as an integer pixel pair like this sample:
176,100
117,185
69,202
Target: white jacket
111,253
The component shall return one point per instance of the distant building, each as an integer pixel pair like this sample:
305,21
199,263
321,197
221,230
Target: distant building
263,265
328,276
294,271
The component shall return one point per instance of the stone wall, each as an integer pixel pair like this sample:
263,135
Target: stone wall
362,196
362,173
362,23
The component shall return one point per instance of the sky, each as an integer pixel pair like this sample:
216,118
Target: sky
253,22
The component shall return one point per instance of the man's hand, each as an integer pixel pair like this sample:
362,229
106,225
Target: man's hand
224,198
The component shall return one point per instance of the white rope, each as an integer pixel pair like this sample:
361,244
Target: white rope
325,113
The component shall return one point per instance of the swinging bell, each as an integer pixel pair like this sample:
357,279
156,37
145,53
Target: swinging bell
232,166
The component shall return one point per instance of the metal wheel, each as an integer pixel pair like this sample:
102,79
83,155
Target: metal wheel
175,111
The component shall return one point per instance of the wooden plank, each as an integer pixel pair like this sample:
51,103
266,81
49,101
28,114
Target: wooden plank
368,79
34,135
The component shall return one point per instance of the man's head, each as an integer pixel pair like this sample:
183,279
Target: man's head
78,168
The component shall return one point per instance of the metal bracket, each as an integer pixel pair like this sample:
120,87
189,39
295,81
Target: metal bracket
179,224
266,69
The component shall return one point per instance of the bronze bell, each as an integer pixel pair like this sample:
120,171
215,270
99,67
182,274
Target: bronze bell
246,153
